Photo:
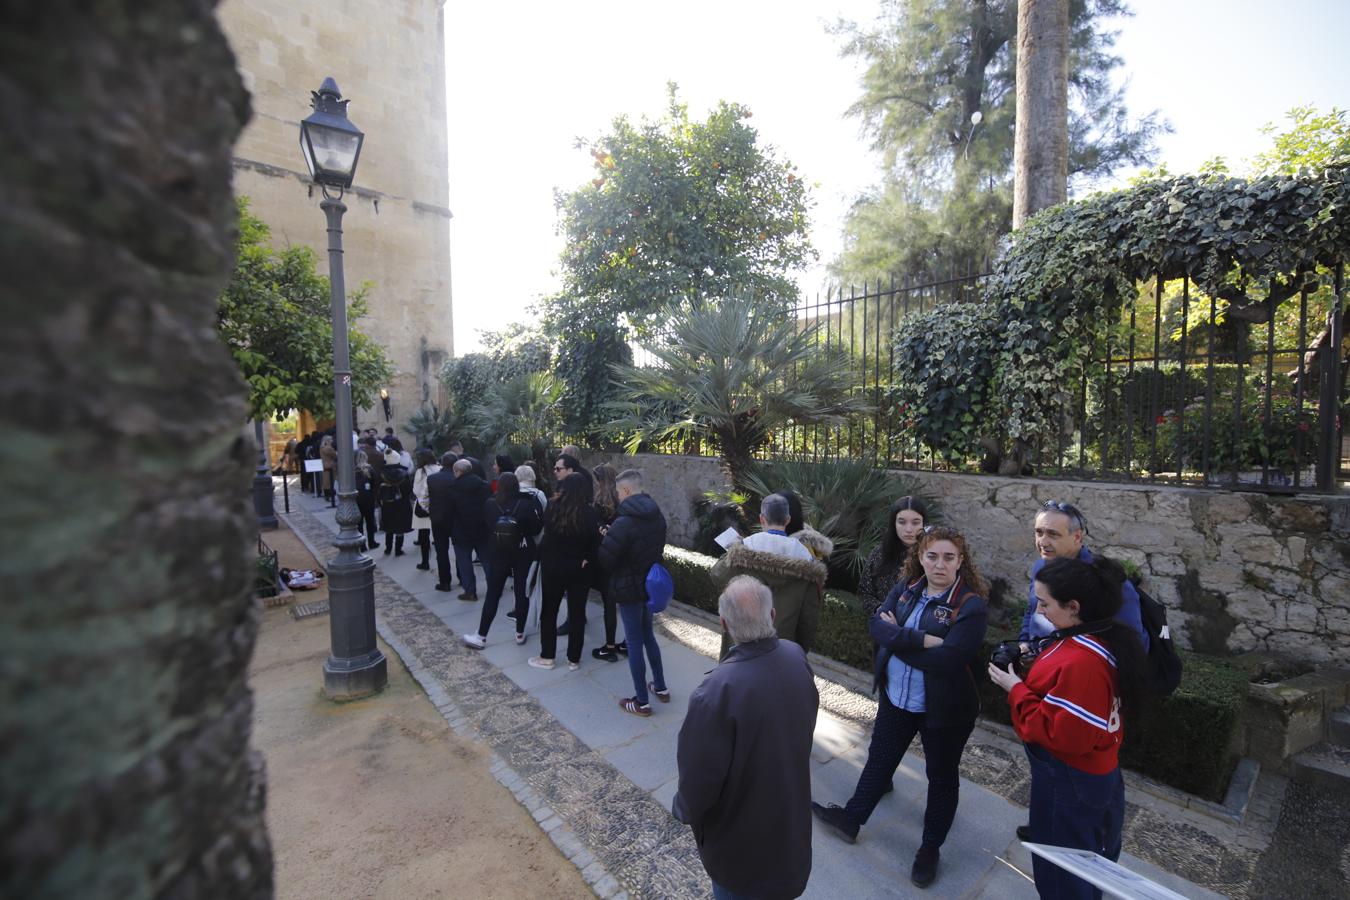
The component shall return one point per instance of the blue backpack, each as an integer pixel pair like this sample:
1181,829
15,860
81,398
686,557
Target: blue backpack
660,588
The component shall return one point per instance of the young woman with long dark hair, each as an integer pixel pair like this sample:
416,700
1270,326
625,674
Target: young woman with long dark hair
928,633
906,520
571,536
1088,678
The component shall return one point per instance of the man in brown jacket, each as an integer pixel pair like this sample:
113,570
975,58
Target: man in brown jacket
792,573
744,756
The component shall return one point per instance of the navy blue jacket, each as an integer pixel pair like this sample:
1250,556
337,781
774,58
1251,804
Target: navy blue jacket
635,541
948,682
1129,614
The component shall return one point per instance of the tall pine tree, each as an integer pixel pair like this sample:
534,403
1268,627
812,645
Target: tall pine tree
939,103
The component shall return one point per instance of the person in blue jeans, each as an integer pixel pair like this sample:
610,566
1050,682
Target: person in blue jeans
632,545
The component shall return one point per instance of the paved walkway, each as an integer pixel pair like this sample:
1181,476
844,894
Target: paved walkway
601,781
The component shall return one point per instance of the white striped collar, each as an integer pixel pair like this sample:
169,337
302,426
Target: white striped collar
1095,647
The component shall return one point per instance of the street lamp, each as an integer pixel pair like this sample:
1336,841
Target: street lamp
331,145
262,481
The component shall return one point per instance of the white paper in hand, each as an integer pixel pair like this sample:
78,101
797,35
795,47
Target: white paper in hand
727,538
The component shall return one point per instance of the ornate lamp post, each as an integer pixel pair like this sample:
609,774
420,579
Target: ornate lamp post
355,667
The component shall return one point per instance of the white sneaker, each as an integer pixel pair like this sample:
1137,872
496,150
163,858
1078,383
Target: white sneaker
520,638
477,642
572,667
540,663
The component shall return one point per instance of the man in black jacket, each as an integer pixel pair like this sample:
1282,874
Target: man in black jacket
633,544
744,755
440,487
468,526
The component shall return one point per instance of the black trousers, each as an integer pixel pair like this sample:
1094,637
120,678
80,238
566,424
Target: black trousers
440,539
517,565
368,520
892,734
575,582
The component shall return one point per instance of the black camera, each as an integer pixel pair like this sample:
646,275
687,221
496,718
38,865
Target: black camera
1007,653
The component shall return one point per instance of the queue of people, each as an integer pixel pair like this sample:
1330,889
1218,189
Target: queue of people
744,748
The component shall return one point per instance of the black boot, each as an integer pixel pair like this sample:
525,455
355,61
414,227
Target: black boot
425,564
398,545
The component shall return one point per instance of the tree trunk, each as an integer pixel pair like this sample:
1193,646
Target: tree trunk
127,622
1041,150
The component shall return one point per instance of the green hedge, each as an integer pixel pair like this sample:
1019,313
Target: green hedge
1185,741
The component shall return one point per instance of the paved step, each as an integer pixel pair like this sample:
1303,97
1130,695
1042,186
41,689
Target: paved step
1338,726
1325,765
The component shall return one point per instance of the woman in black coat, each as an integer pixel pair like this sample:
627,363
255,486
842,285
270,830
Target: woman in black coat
571,536
395,503
367,488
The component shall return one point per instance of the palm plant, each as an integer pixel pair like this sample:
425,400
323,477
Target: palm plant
847,500
432,427
520,411
733,372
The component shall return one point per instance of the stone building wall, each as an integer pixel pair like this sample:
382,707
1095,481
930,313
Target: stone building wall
389,60
1237,571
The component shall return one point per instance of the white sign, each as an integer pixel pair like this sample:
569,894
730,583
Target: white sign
313,465
728,538
1114,879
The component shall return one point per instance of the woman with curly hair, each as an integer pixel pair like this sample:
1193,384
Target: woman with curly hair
906,520
928,633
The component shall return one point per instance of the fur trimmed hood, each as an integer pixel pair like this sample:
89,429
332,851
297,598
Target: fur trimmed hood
820,546
774,567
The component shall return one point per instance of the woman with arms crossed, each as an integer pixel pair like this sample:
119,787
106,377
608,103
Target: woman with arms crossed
1089,671
928,633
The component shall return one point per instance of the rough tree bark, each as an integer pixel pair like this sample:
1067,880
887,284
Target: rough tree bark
1041,148
126,624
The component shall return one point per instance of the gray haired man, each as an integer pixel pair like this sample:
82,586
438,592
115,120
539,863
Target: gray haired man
744,755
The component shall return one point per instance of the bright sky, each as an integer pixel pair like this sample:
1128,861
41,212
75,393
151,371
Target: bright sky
526,80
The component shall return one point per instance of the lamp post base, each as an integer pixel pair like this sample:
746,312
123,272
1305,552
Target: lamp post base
346,679
263,490
355,666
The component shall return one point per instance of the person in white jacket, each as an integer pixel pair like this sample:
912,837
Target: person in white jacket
426,466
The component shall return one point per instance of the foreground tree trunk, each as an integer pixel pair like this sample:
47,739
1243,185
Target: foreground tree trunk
1041,148
126,625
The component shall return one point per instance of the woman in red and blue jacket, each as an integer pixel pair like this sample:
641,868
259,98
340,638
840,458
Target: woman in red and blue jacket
1088,675
928,633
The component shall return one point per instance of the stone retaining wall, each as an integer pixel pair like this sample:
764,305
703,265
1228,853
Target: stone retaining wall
1237,571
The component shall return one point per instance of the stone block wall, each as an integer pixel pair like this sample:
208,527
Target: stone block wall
1237,571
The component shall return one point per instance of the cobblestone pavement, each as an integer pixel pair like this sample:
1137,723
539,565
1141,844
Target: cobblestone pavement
600,782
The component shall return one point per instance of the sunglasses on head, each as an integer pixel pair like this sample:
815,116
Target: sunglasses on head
1075,517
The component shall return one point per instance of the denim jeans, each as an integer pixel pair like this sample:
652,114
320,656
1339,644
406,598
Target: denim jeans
1072,808
464,563
638,632
721,893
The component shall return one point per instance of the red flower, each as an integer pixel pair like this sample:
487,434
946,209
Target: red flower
1161,420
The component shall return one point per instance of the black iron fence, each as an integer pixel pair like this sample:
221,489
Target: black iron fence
1184,389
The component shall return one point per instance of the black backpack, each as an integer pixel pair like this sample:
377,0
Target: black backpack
1163,661
507,533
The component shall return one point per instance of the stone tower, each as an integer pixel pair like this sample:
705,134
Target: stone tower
388,58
